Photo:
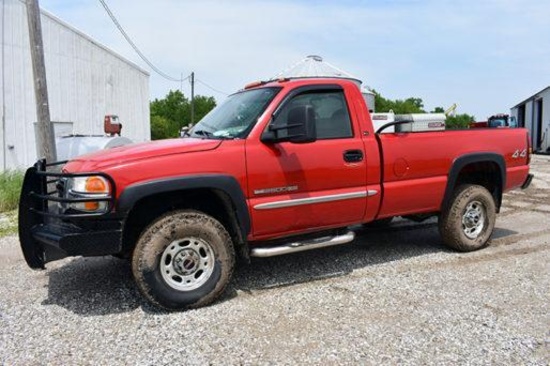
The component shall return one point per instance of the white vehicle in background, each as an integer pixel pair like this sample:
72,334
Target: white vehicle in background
70,145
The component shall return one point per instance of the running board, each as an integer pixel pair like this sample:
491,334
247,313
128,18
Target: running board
301,246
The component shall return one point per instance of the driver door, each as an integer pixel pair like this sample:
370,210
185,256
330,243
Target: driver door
297,187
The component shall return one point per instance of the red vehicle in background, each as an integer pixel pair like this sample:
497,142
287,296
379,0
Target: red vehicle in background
497,121
279,167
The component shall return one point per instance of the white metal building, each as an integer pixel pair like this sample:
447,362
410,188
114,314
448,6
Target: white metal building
534,114
86,81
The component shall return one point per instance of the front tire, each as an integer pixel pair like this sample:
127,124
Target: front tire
468,223
183,260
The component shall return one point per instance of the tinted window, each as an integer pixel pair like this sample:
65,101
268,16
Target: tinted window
331,113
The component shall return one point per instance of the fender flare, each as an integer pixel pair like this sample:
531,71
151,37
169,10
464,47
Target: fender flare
464,160
224,183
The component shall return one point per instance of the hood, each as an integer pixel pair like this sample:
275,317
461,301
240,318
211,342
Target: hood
139,151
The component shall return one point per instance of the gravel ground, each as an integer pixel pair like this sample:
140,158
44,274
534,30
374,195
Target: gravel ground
394,296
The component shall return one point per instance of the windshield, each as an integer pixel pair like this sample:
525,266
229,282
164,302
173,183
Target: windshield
236,116
497,123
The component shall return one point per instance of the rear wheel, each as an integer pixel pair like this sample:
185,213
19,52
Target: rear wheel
183,260
469,222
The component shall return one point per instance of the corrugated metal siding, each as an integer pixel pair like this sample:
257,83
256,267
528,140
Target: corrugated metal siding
86,81
19,95
529,120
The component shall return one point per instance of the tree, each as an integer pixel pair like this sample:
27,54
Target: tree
203,105
459,122
171,113
398,106
160,127
174,108
414,105
438,110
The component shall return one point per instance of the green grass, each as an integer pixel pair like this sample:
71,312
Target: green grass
8,223
10,189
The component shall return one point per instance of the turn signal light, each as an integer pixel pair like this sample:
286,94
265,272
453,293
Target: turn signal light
95,185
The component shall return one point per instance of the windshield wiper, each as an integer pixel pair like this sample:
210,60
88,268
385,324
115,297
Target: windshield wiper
203,133
211,135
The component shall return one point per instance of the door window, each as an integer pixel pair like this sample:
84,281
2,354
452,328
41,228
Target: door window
331,113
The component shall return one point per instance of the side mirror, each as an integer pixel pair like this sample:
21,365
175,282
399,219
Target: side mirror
300,127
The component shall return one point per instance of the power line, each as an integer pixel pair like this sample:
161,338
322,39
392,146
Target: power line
145,59
211,88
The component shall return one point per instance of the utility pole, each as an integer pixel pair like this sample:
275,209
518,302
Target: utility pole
193,98
45,136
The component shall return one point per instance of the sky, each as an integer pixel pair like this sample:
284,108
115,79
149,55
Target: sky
486,56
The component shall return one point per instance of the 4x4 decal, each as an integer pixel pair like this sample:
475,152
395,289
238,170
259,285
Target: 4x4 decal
519,154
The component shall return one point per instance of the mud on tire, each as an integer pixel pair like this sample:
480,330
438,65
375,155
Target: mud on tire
469,221
183,260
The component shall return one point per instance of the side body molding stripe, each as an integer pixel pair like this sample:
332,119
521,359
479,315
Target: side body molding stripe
313,200
224,183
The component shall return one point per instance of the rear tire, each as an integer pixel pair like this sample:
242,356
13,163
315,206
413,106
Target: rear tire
468,223
183,260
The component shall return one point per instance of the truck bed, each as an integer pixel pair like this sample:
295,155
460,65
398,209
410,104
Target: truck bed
416,166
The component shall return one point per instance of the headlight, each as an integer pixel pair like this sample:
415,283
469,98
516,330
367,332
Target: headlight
94,186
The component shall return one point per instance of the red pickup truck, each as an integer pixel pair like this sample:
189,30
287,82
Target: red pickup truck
279,167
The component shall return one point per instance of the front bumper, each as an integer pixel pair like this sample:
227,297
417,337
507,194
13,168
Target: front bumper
47,234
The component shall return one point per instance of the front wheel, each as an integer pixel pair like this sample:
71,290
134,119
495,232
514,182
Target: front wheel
469,221
183,260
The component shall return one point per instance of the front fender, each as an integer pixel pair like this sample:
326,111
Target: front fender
225,183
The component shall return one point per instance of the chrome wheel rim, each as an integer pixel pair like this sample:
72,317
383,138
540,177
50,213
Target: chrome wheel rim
186,264
473,219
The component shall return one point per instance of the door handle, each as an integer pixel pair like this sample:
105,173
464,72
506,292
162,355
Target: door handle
353,156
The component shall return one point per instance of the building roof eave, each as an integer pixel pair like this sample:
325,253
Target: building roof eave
531,97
